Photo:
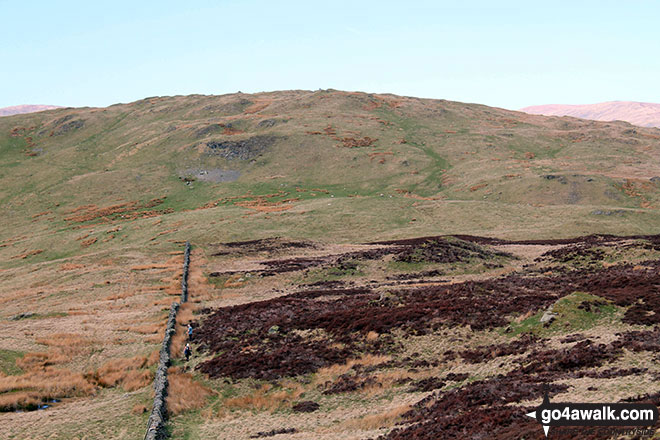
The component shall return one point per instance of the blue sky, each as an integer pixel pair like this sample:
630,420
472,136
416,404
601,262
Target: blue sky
506,54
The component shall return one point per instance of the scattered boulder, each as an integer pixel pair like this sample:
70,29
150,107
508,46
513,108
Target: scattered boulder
608,212
274,432
306,406
268,123
22,316
67,124
560,179
245,149
548,316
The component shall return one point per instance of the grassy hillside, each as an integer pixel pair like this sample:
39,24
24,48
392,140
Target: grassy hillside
323,164
97,203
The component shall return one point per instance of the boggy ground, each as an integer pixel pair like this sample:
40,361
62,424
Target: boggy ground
435,337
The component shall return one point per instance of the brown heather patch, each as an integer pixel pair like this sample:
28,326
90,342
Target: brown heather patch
185,393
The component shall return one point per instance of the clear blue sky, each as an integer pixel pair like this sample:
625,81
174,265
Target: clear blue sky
500,53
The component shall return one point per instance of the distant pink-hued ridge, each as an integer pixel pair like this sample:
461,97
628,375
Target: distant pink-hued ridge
644,114
20,109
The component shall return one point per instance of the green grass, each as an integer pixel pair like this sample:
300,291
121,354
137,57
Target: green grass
571,317
348,269
8,361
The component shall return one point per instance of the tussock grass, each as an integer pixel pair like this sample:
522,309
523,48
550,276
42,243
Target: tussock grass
265,398
33,361
139,409
153,358
376,421
31,388
185,393
127,373
70,344
63,347
148,329
162,301
327,373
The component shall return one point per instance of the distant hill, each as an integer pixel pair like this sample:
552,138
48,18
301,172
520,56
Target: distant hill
22,109
644,114
319,165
